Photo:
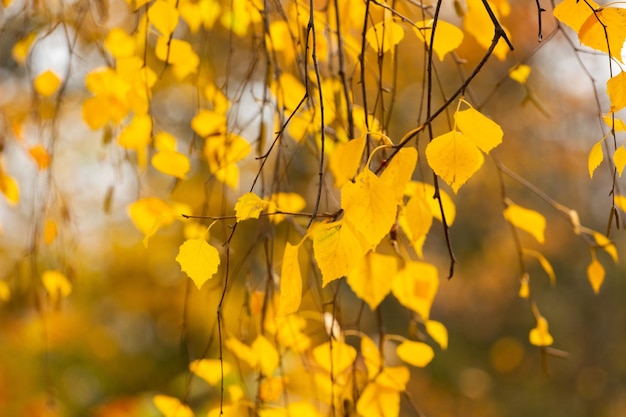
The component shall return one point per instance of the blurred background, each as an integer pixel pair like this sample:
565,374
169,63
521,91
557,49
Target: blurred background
133,321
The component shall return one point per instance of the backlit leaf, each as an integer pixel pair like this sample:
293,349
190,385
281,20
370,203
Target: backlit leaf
383,36
171,163
378,401
119,43
249,206
56,284
287,202
527,220
271,389
136,136
210,369
345,160
370,205
198,260
180,54
438,332
40,155
267,355
171,407
447,37
222,153
616,90
540,336
337,249
415,353
208,122
290,282
477,23
619,158
399,171
595,274
337,358
596,155
429,191
520,73
371,278
605,22
607,245
574,13
372,358
21,49
147,212
454,158
47,83
415,287
164,16
484,132
9,188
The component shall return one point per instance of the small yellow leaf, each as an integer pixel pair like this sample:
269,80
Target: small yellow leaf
540,336
415,353
289,91
249,206
371,278
47,83
267,355
56,284
136,136
454,158
619,158
290,282
596,155
210,369
222,153
370,205
5,291
604,242
346,159
595,274
520,73
287,202
337,357
616,90
242,352
438,332
9,188
484,132
545,264
21,49
148,212
208,122
383,36
164,16
337,248
198,260
49,231
171,407
40,155
164,141
180,54
447,37
614,122
415,287
171,163
527,220
119,43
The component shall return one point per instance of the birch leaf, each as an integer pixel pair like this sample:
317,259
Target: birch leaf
198,260
290,282
527,220
249,206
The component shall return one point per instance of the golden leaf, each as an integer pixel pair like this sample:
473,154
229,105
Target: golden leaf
438,332
484,132
545,264
290,282
49,231
249,206
596,155
619,158
540,336
242,352
602,24
574,13
337,358
267,355
378,401
595,274
384,36
198,260
520,73
164,16
415,353
171,163
371,278
399,171
210,369
415,287
616,90
9,188
47,83
40,155
171,407
56,284
607,245
527,220
346,159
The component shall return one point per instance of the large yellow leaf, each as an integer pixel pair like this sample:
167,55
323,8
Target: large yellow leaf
454,158
249,206
47,83
527,220
172,163
484,132
447,38
290,282
198,260
574,13
171,407
370,205
378,401
477,23
337,249
345,160
164,16
337,357
371,279
605,22
415,287
540,336
595,274
399,171
210,369
616,89
415,353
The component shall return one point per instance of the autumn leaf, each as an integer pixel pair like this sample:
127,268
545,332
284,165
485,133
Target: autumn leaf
267,355
21,49
540,336
399,171
438,332
170,162
47,83
40,155
286,202
428,191
415,353
290,281
596,155
520,73
378,401
415,287
606,244
602,24
527,220
198,260
574,13
345,160
477,23
164,16
49,231
595,274
171,407
9,188
210,369
484,132
545,264
619,158
370,279
416,219
385,35
336,356
447,37
242,352
249,206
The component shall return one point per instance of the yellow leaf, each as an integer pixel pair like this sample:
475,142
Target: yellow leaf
428,191
614,122
370,205
545,264
616,90
290,282
415,353
210,369
438,332
378,401
271,389
604,242
40,155
454,158
416,218
242,352
164,16
527,220
415,287
619,158
383,36
56,284
371,278
222,153
596,155
620,201
477,23
574,13
136,136
5,291
540,336
399,171
171,407
148,212
484,132
289,91
603,23
21,49
47,83
595,274
447,38
49,231
372,357
520,73
267,355
119,43
198,260
345,160
9,188
164,141
208,122
337,358
180,54
171,163
287,202
249,206
290,335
